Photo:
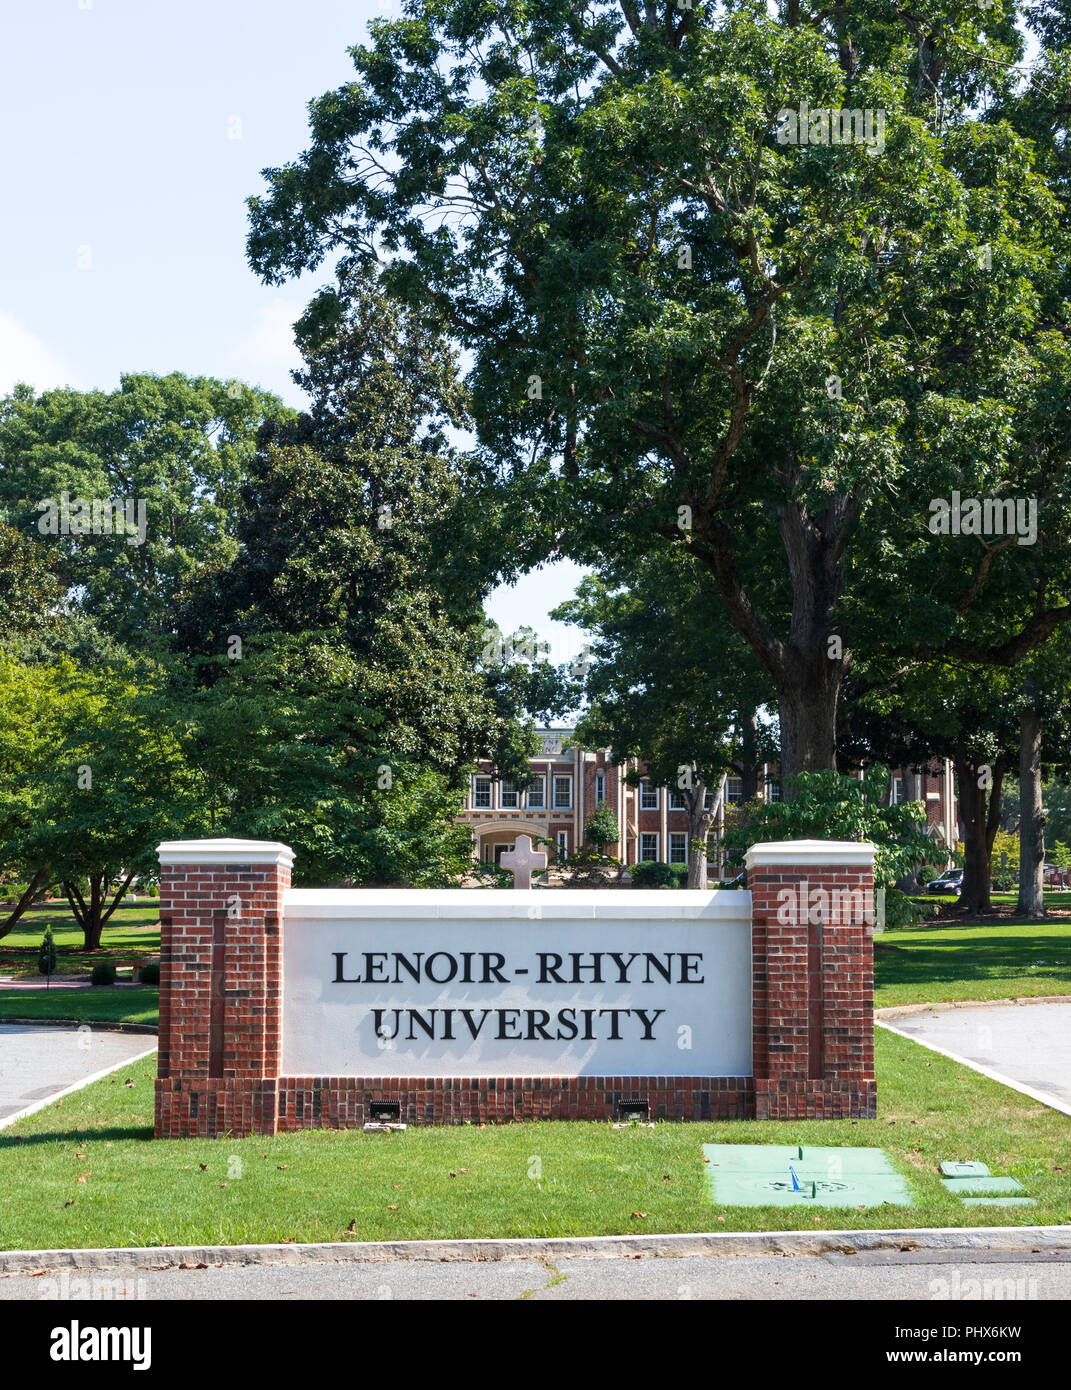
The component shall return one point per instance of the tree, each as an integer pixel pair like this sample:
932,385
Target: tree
107,781
28,589
601,828
131,492
829,806
670,683
688,324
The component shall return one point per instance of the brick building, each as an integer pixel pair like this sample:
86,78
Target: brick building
568,783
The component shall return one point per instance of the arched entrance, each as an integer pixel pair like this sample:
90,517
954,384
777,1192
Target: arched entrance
493,840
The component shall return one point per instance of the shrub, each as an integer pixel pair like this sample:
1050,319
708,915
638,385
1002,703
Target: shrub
103,973
653,873
46,960
925,875
150,974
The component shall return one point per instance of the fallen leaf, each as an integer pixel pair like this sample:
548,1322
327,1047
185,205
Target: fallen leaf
462,1170
721,1218
84,1176
392,1206
396,1186
453,1175
281,1166
223,1184
203,1167
352,1226
79,1155
639,1215
69,1202
287,1240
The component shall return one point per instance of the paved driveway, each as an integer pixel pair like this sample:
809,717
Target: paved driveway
1027,1045
38,1063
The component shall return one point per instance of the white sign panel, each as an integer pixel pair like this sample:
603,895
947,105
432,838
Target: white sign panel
456,983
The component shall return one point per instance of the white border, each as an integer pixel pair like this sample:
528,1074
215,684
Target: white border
223,851
832,852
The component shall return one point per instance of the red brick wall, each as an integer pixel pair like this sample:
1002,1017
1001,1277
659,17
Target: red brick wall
220,997
813,1018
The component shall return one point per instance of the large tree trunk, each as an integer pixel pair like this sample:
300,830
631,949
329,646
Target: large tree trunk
807,709
1031,819
749,742
32,889
92,916
699,822
980,809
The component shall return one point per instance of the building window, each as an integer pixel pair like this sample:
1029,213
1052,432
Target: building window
676,800
648,796
648,846
678,847
735,789
600,788
563,793
712,844
537,794
775,791
481,793
561,840
708,800
509,796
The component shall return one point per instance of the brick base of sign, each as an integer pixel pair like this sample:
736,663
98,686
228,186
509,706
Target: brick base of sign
209,1107
815,1100
345,1102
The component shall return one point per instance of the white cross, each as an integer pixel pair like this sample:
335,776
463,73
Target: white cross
522,859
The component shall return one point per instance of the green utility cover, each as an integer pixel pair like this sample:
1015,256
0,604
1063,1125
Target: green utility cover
963,1186
759,1175
998,1201
965,1170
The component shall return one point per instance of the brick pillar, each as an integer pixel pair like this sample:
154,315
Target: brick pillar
813,948
221,905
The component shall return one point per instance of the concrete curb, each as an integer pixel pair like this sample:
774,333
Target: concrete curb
896,1010
1006,1238
97,1027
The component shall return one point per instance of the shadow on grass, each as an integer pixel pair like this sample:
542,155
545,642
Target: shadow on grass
990,957
60,1136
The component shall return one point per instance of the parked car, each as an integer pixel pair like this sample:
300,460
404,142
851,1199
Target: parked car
951,881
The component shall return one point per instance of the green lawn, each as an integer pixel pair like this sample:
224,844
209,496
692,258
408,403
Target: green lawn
102,1005
132,931
515,1180
1000,960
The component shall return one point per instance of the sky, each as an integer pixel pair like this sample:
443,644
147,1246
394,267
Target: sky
134,132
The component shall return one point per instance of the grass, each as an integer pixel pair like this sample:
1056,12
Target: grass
101,1005
132,931
950,961
516,1180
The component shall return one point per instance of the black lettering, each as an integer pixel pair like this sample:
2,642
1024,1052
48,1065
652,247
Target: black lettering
541,1026
687,957
588,1015
549,972
373,961
440,955
502,1016
466,1014
380,1027
414,970
494,971
648,1023
595,967
623,967
340,979
428,1027
615,1036
567,1018
666,971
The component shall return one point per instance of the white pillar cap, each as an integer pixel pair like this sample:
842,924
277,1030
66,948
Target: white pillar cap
856,854
224,851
